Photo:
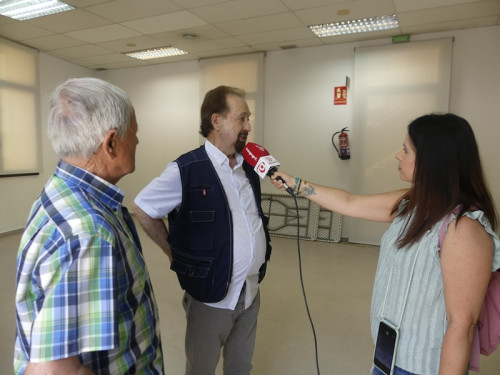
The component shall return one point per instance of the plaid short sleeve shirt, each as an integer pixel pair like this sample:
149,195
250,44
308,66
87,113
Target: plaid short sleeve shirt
82,286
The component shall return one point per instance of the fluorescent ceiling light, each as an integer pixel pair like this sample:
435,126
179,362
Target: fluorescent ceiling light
26,9
356,26
156,53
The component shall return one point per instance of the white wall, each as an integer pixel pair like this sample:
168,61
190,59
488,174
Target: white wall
299,117
18,193
475,94
167,100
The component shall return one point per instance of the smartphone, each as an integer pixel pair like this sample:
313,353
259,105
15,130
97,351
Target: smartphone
385,347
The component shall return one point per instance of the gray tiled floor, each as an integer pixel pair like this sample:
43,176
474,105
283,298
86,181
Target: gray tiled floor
338,280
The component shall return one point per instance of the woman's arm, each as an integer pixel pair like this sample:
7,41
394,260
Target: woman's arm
466,258
375,207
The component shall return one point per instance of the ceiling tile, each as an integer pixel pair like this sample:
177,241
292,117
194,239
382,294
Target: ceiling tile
451,25
213,44
305,4
132,44
239,9
69,21
205,32
84,3
20,31
126,10
5,20
227,52
51,42
165,22
106,59
103,33
81,63
451,13
82,51
285,35
357,9
188,4
260,24
409,5
279,45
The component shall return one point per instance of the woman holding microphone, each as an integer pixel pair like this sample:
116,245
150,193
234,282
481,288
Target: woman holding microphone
426,296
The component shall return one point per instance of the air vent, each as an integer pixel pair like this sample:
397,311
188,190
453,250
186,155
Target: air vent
189,36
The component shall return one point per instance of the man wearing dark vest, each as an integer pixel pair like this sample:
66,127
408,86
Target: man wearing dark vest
217,240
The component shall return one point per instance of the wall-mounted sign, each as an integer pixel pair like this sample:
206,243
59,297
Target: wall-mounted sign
340,95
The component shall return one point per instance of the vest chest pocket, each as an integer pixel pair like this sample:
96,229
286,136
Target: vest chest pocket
200,190
200,236
202,216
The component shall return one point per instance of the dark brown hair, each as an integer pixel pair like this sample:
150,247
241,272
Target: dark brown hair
448,173
215,102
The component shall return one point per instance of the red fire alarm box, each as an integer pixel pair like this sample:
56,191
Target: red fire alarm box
340,95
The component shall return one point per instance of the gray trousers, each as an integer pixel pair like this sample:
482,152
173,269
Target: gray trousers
210,329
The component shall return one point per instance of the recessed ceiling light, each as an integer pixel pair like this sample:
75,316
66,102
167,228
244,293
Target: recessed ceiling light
356,26
25,10
156,53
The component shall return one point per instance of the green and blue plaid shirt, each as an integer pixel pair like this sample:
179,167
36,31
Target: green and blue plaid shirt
82,284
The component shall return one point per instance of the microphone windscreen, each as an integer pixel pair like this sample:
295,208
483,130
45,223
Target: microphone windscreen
262,162
252,152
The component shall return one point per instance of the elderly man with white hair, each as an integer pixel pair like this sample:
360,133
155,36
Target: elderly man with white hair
84,300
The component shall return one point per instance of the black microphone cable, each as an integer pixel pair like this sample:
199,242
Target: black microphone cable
290,191
302,284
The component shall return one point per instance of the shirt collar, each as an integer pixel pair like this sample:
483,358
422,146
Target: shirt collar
103,190
219,157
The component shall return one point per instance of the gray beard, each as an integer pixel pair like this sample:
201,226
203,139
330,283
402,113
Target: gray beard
238,146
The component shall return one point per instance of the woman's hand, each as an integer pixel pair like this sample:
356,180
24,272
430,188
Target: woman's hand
289,180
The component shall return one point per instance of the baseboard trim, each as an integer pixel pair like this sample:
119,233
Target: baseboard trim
9,232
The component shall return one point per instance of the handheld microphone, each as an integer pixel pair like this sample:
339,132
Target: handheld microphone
262,162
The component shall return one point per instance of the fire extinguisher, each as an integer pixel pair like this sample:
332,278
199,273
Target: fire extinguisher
344,152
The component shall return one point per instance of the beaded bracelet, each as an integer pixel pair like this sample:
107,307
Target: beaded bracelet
298,193
300,189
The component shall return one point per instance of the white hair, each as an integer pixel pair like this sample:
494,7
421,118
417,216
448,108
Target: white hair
82,111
